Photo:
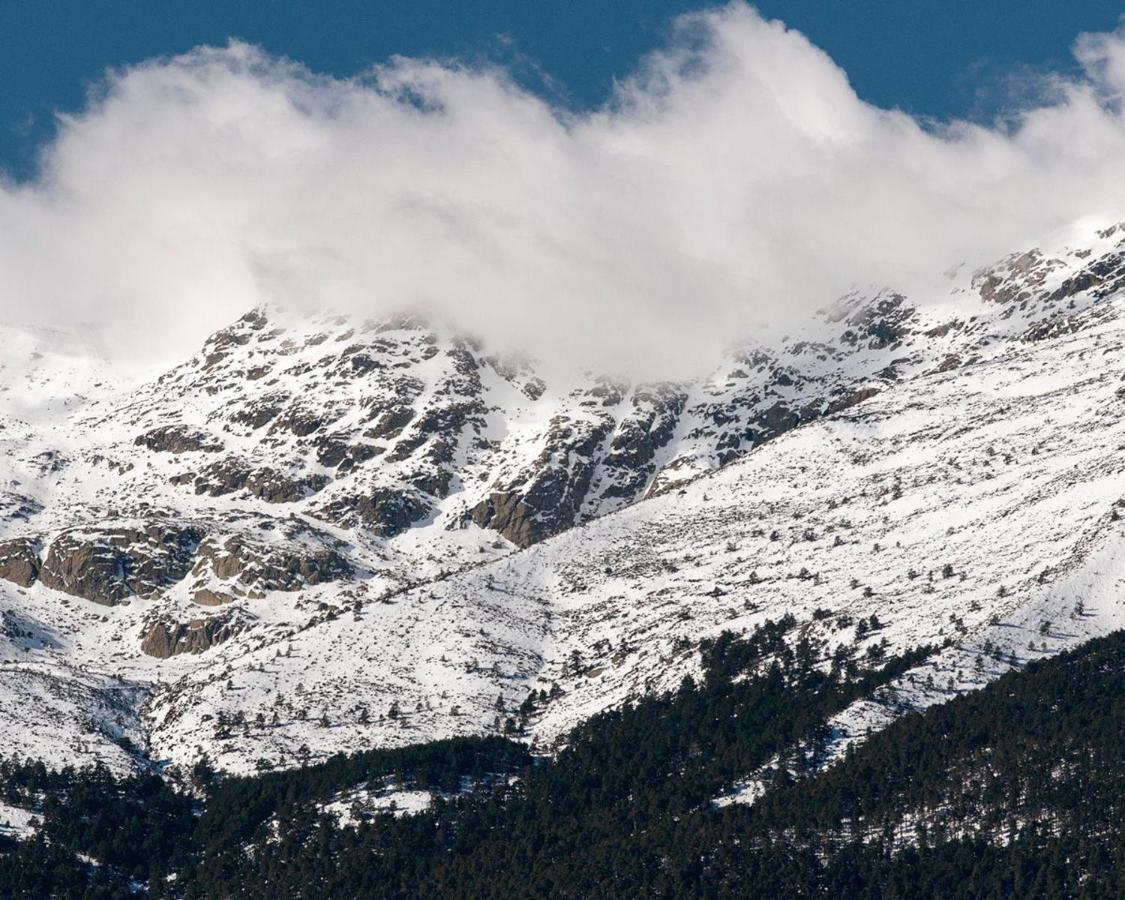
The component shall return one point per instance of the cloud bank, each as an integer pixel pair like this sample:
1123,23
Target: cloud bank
735,179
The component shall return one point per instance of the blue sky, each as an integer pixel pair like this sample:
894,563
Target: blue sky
746,174
942,58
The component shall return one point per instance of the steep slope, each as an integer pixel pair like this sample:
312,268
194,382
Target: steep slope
307,538
1014,790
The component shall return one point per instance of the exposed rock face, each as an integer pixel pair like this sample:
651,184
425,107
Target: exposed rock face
507,512
256,413
384,511
179,439
108,565
252,568
304,418
388,423
222,343
341,451
1104,276
546,497
1014,279
879,324
164,638
1058,326
427,448
19,561
630,463
232,474
852,398
1028,279
207,597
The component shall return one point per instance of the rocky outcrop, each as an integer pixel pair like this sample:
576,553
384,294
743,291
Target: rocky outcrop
256,413
879,323
851,398
233,474
1103,276
341,452
179,439
108,565
16,507
163,638
250,568
388,423
208,597
546,497
222,343
630,462
508,512
1026,277
455,410
19,561
385,511
1014,279
303,418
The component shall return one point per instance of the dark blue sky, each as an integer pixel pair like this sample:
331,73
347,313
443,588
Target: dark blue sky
938,58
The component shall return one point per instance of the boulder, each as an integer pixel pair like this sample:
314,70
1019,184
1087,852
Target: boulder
19,561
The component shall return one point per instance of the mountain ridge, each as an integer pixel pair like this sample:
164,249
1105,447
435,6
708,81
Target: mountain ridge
261,554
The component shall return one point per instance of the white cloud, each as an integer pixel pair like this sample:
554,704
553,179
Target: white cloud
736,178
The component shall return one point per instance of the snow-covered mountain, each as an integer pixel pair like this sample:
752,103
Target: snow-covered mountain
329,534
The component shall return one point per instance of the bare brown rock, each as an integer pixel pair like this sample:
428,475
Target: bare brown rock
547,496
164,638
107,565
252,568
19,561
179,439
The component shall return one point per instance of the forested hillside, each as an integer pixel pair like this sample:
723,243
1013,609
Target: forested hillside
1015,790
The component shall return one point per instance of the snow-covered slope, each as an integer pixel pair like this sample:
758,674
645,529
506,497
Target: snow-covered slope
329,535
